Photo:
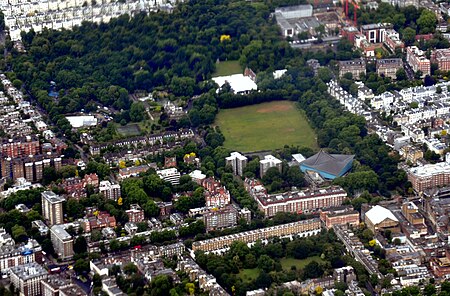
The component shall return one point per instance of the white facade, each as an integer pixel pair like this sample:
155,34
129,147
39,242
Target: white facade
171,175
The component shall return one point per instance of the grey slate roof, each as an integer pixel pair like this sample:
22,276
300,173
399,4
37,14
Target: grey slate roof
329,163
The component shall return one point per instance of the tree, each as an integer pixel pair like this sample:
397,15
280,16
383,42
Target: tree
19,233
137,112
80,245
266,263
160,285
401,74
324,74
130,269
409,36
81,266
313,270
427,21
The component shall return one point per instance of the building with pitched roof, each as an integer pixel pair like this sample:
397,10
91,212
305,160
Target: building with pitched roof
380,218
329,166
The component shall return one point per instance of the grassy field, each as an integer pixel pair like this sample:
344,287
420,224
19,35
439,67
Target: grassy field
265,126
248,275
228,68
286,263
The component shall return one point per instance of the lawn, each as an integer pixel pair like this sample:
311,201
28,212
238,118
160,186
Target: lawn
248,275
226,68
286,263
265,126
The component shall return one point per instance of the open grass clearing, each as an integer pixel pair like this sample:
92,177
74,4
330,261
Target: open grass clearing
248,275
265,126
287,263
226,68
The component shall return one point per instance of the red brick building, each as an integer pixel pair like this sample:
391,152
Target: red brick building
441,57
215,194
90,179
20,147
99,221
417,60
135,214
339,216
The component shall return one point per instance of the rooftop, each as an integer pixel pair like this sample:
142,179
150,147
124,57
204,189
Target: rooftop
28,271
330,163
56,281
60,232
238,82
52,197
378,214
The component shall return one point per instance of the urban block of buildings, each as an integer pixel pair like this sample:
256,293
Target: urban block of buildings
23,15
304,201
303,228
417,60
355,67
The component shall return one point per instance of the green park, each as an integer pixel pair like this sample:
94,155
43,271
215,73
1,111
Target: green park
265,126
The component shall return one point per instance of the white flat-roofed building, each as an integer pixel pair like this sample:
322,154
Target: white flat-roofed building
82,121
197,176
62,242
109,190
43,229
171,175
295,11
239,83
268,162
238,162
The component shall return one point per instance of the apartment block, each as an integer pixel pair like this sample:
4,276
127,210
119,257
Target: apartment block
304,201
303,228
62,242
268,162
238,162
441,57
430,175
355,67
29,167
392,40
52,207
23,146
27,278
417,60
52,285
389,67
135,213
14,255
221,218
171,175
375,33
109,190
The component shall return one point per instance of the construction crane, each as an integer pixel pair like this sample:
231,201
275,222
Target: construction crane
355,10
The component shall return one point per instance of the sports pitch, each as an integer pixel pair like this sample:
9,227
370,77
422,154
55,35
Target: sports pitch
265,126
